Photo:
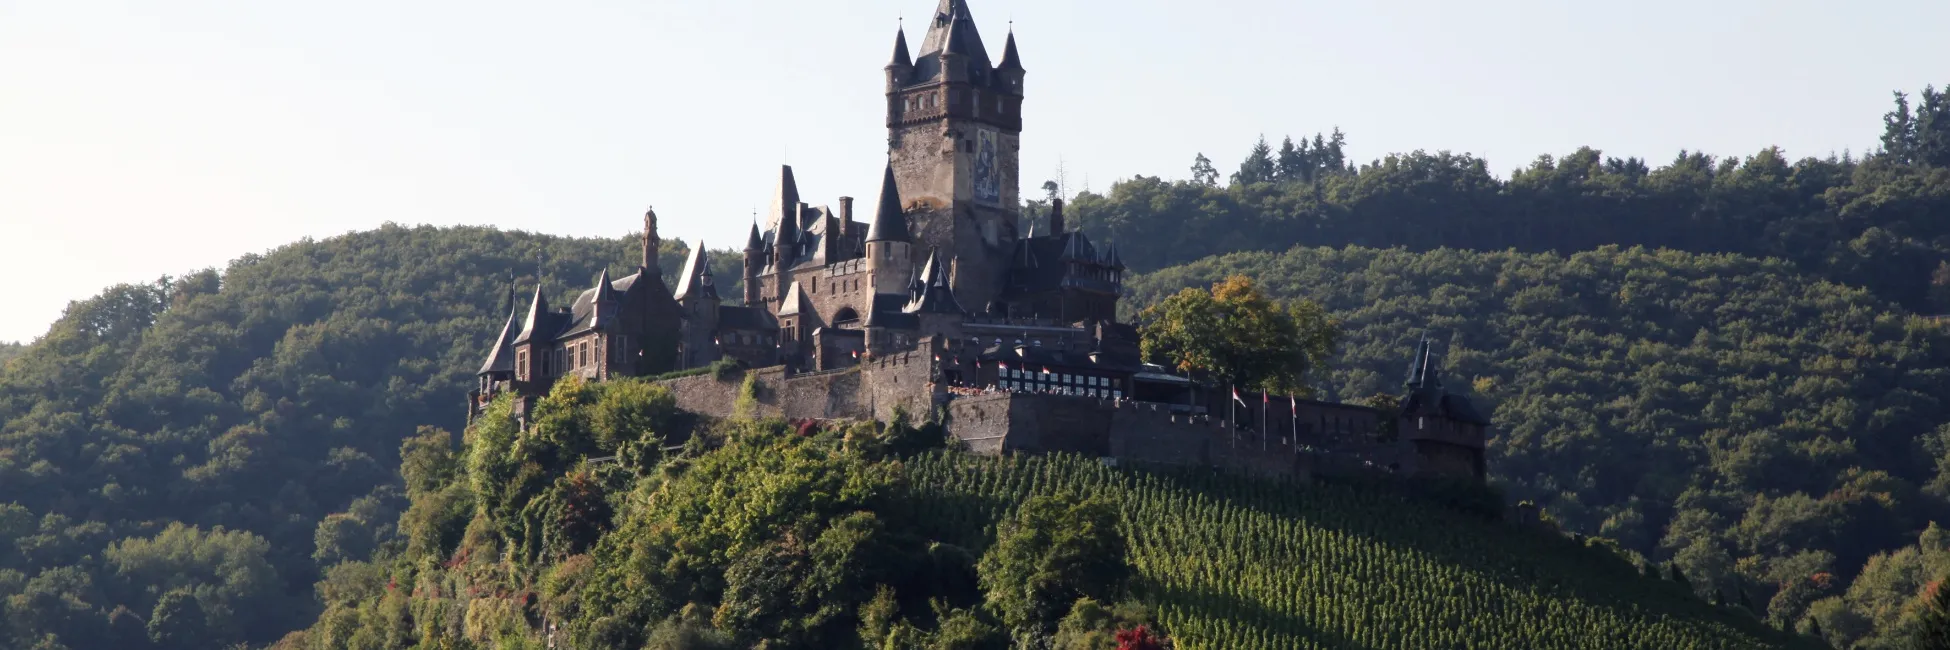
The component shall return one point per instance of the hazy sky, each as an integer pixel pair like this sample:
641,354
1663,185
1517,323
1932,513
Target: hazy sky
139,139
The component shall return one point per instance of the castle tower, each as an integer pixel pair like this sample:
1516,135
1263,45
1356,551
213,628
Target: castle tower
754,265
954,126
785,228
890,256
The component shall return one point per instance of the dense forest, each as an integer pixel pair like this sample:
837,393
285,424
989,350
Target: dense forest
187,438
760,534
1716,365
1875,221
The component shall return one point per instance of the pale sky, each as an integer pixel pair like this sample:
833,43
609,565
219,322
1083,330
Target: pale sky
139,139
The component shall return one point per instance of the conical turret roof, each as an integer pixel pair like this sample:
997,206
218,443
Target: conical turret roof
889,221
1009,59
501,357
901,57
537,316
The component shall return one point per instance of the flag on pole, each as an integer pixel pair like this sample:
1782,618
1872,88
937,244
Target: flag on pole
1295,412
1232,418
1046,370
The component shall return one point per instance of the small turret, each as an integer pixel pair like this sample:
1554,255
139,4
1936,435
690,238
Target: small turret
1009,59
890,257
1056,216
754,262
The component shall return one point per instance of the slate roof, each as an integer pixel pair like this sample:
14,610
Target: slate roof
930,293
1042,264
889,220
696,275
745,318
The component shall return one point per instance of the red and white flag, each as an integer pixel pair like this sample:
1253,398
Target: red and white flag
1237,398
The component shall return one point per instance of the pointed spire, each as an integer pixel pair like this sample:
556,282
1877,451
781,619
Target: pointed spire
901,59
953,30
1009,59
501,357
754,242
889,220
537,311
1422,370
696,277
785,208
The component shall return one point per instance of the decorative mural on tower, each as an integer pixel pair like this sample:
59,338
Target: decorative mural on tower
988,179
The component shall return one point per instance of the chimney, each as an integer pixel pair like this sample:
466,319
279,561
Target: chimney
846,214
1056,216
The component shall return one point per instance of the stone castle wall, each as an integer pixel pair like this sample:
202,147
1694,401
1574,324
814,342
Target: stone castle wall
871,390
998,423
1036,423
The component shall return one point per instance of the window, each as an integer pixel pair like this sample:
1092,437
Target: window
998,106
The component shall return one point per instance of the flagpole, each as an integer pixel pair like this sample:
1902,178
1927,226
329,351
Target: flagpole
1263,397
1232,416
1293,409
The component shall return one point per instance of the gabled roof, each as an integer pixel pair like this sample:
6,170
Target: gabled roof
696,275
932,295
793,301
889,221
582,313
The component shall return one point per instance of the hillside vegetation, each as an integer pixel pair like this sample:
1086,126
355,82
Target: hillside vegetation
1874,221
759,536
1764,430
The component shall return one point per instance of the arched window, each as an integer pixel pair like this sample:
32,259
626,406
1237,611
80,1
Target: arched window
845,315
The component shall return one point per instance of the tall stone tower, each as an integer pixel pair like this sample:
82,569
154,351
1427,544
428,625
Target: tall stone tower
954,127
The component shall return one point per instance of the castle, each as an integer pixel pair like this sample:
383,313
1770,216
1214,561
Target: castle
941,302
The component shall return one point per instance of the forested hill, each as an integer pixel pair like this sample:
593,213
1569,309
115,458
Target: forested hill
243,407
1874,221
1766,431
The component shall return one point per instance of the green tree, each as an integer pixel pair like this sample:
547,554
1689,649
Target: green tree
1240,336
1934,631
1056,550
178,622
1203,172
1258,167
